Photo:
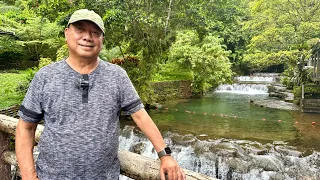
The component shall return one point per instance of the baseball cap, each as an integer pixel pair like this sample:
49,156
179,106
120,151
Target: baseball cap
85,14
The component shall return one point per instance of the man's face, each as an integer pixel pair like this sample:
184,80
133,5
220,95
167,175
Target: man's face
84,39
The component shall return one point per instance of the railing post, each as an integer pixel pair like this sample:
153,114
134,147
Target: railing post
5,168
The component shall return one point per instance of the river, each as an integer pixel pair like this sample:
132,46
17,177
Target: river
224,136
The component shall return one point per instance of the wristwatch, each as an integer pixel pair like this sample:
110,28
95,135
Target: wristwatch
165,152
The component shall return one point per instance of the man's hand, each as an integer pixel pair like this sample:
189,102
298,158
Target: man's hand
169,168
168,165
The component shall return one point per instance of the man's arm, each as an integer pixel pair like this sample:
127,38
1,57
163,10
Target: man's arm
25,137
168,164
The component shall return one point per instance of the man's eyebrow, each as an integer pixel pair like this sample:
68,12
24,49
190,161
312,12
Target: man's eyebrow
77,24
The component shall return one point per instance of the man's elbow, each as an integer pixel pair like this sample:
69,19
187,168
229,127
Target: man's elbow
25,127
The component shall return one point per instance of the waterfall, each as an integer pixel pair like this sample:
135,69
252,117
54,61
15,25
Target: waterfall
260,79
253,84
228,159
243,88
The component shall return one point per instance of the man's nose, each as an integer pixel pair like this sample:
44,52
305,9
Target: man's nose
87,35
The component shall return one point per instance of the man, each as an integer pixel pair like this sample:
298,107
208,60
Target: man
79,99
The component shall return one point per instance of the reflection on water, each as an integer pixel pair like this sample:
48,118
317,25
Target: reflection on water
227,115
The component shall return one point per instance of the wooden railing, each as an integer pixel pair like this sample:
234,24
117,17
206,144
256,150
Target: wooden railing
132,165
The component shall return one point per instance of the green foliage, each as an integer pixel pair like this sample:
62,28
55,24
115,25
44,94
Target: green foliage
34,37
108,54
206,60
311,91
296,74
8,83
172,41
62,52
171,71
132,65
297,94
282,32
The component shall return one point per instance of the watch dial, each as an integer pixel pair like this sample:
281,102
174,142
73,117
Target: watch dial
168,150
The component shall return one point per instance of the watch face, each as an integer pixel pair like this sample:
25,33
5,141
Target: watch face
168,150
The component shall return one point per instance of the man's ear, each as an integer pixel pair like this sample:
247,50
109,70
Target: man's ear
102,42
66,33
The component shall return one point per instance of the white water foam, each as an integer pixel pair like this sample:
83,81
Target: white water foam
243,88
262,79
226,159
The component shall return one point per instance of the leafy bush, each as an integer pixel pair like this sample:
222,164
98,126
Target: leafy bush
62,52
132,65
297,94
206,59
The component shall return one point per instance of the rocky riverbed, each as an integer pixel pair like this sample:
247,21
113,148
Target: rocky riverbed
228,159
282,98
276,104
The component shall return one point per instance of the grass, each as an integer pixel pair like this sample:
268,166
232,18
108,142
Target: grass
9,82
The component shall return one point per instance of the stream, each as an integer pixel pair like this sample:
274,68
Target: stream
224,136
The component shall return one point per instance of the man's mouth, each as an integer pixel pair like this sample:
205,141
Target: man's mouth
86,45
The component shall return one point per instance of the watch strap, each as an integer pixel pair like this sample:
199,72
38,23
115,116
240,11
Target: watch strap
165,152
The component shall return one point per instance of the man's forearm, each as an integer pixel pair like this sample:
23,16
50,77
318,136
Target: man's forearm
147,126
24,151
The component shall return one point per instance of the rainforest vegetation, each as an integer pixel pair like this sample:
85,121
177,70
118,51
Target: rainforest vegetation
204,41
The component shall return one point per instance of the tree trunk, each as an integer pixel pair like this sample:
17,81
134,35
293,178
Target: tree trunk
168,17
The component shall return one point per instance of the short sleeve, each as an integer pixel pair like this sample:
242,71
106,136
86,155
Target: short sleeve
129,99
30,109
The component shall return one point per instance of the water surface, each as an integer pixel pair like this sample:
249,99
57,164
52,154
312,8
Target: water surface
231,116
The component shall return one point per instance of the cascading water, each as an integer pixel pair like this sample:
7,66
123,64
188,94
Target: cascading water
229,159
243,88
256,79
259,78
254,84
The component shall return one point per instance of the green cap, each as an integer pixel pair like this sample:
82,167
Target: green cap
85,14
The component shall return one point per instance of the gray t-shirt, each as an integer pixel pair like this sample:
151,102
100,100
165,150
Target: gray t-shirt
80,138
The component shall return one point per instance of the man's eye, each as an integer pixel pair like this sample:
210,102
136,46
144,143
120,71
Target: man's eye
96,33
79,28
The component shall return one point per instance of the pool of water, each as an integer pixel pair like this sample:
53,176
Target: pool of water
231,116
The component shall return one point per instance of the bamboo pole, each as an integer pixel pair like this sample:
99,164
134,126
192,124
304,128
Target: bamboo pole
132,165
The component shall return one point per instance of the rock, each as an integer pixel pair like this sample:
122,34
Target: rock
138,148
239,165
288,152
185,140
267,163
277,104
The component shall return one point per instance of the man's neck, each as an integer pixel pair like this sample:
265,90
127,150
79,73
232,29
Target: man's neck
83,66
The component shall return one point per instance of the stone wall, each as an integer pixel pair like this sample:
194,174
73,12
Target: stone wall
172,90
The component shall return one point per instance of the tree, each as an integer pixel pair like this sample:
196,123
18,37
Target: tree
206,59
35,37
283,31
